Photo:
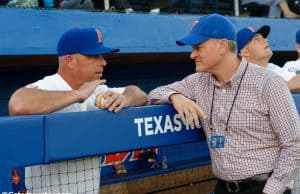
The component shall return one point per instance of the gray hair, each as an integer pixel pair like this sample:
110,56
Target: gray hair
232,46
60,59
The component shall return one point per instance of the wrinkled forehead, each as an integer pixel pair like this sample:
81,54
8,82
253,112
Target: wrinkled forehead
257,35
255,40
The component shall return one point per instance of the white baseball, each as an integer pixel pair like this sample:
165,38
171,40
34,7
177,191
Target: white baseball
100,102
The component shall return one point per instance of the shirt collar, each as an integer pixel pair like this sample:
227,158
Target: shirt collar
63,82
234,80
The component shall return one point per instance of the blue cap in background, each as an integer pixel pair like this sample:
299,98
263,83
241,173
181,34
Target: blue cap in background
85,41
209,26
246,34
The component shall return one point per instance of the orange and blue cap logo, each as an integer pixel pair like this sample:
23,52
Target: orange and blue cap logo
99,35
194,24
251,28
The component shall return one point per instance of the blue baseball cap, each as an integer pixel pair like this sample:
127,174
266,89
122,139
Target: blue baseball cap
298,37
246,34
85,41
207,27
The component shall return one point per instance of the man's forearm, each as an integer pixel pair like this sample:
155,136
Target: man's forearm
293,85
135,96
34,101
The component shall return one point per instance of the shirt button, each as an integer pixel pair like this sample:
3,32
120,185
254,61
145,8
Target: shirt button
224,90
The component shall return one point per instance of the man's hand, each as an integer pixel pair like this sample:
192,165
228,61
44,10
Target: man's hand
114,102
188,110
88,88
294,83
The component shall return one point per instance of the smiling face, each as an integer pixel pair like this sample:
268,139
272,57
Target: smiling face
207,55
257,50
77,69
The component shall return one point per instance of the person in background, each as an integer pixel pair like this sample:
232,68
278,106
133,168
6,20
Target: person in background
294,66
62,4
239,106
253,46
75,87
154,5
268,8
75,4
23,3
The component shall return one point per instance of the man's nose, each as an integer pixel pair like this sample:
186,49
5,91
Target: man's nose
102,61
266,40
193,54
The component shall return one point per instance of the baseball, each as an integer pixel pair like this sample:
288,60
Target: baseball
100,102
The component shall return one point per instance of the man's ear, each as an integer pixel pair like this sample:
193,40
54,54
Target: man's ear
244,52
68,60
224,45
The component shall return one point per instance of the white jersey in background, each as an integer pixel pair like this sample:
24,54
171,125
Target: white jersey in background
292,66
285,74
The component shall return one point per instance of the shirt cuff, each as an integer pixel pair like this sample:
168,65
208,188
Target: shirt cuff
274,186
163,99
171,93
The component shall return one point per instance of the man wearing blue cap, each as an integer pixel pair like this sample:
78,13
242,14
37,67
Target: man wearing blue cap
74,87
294,66
254,47
240,107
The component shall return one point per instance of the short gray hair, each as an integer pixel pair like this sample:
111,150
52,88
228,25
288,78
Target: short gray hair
232,46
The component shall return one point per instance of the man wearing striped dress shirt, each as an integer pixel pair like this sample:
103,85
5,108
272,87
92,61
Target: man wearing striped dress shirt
247,112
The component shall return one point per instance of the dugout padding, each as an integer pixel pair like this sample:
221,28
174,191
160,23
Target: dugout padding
40,139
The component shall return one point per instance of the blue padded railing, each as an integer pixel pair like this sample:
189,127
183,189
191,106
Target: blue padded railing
40,139
296,97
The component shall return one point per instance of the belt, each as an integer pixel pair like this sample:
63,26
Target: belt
241,185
